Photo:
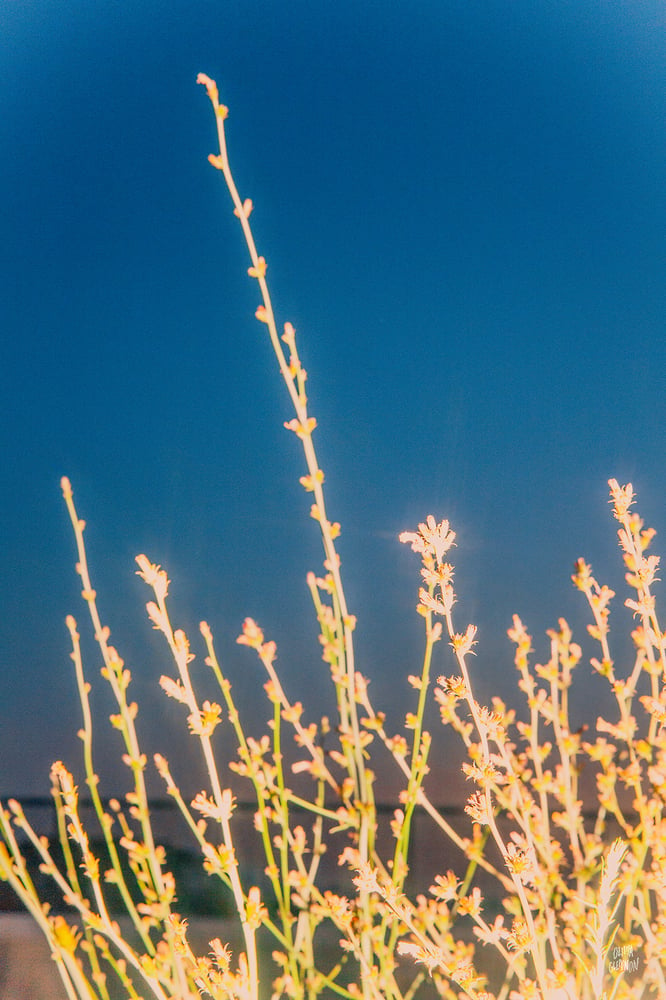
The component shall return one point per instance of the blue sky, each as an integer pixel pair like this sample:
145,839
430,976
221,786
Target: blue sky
463,210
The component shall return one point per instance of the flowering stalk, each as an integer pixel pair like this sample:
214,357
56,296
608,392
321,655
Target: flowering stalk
202,721
294,377
118,678
303,425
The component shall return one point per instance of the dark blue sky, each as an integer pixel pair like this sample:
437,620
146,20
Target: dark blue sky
463,210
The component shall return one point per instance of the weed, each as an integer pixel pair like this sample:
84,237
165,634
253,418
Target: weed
578,913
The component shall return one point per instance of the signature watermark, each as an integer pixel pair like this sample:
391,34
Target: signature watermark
623,959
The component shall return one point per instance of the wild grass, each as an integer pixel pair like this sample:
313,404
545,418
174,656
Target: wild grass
581,912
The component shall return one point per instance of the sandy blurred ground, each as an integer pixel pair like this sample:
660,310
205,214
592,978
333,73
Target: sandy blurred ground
27,971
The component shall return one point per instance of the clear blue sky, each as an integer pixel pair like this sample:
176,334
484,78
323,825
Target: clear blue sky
463,210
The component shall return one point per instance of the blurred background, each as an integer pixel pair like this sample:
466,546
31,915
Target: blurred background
463,212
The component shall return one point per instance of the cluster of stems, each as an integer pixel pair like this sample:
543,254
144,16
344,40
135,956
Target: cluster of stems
574,897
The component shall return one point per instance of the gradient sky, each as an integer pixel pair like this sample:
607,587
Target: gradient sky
463,210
